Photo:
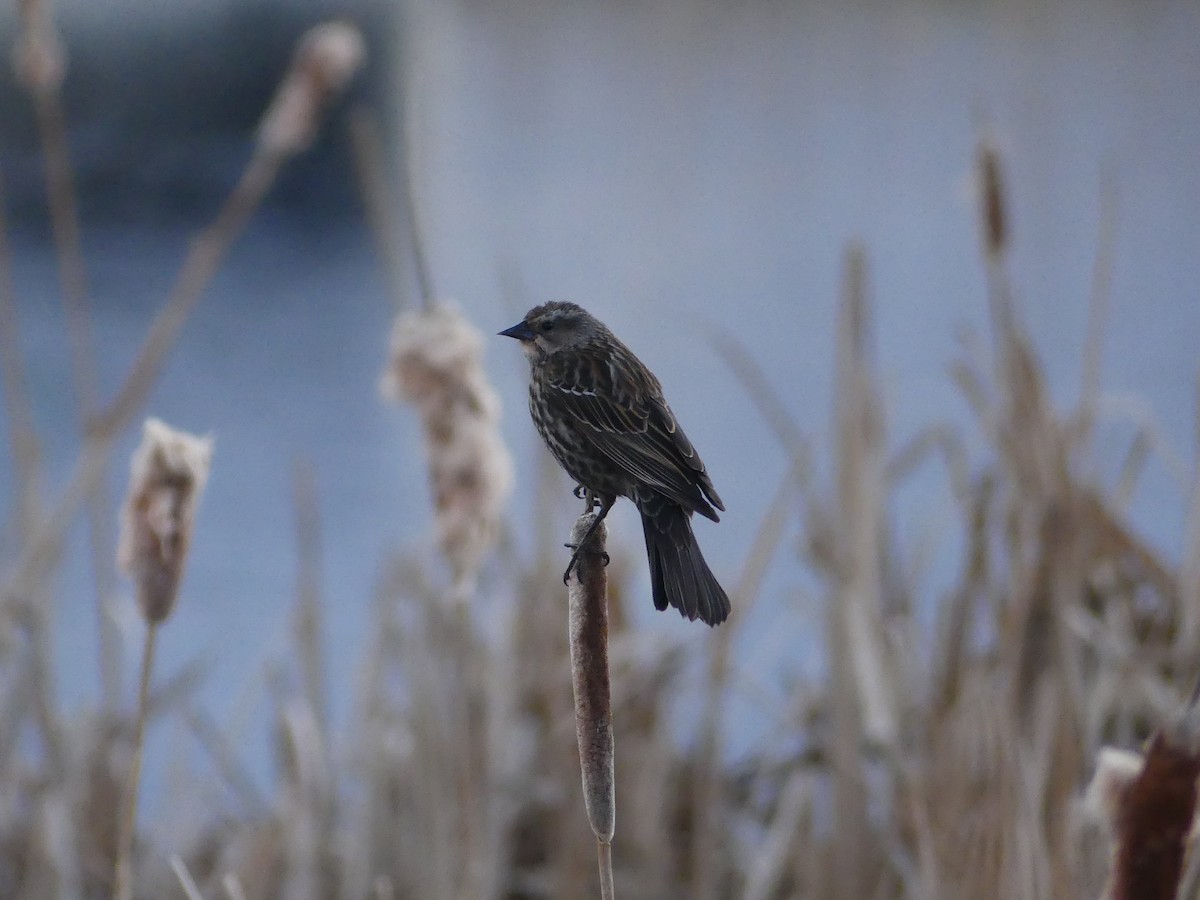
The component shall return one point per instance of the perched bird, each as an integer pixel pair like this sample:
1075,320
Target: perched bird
603,416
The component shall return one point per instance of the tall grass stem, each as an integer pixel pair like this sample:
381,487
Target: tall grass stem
123,884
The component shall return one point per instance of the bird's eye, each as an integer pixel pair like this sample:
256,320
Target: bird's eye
546,327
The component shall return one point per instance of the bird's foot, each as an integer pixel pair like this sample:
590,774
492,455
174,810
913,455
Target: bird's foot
582,493
575,558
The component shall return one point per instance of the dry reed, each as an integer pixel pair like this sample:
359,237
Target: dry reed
167,476
938,761
41,66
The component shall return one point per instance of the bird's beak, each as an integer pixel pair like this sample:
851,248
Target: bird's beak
520,331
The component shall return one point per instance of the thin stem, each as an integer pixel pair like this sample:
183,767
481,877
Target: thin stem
233,887
408,194
376,192
26,466
190,888
1102,268
201,264
207,253
64,218
123,886
604,855
309,623
17,405
68,245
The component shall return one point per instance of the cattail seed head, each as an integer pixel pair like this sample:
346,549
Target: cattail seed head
168,472
38,57
325,60
991,199
436,364
1116,770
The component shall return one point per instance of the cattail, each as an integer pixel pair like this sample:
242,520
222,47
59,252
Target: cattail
1149,804
167,476
436,364
324,62
38,58
590,683
991,198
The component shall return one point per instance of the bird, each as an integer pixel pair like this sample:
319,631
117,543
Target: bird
603,416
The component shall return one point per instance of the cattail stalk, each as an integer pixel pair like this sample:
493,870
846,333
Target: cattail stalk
233,887
370,164
1098,307
309,623
27,470
190,889
604,854
587,595
41,65
123,883
325,59
993,213
860,708
168,472
17,405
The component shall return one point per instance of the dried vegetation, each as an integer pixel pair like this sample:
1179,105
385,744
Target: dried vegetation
928,761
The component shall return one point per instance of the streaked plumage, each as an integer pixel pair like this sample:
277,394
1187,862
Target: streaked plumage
603,415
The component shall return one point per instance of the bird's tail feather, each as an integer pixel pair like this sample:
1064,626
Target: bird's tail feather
678,573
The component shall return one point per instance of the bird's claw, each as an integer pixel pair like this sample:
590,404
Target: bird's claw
575,558
580,492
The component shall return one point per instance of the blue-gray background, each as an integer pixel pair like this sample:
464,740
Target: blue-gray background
678,168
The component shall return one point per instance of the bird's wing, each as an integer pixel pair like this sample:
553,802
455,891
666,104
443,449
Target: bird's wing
618,407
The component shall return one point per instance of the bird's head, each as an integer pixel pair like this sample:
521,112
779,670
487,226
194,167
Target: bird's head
552,327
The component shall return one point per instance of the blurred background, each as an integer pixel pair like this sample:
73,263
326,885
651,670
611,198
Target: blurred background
691,172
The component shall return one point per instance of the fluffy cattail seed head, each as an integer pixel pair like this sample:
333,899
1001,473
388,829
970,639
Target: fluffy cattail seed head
436,364
324,62
168,472
1116,770
38,57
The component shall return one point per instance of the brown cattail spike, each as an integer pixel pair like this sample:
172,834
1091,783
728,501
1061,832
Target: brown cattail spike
1156,817
588,624
168,472
991,191
1148,803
